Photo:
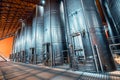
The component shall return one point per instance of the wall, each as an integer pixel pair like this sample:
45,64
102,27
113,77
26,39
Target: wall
6,47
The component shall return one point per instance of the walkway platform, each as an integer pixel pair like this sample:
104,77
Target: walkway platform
21,71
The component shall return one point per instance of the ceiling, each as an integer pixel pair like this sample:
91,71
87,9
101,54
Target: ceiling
11,12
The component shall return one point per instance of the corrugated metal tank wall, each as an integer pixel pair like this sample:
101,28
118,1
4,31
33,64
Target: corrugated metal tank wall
53,30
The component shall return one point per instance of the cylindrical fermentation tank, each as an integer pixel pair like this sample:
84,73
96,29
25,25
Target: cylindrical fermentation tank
22,36
112,27
78,31
33,43
28,38
39,32
16,44
53,31
114,8
84,18
22,41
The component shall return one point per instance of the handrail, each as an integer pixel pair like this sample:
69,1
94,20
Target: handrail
114,37
114,44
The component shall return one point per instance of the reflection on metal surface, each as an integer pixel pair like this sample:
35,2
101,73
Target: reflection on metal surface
39,33
113,7
60,24
112,26
89,21
54,31
78,31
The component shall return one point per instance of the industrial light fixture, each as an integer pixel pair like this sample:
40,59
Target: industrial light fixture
42,2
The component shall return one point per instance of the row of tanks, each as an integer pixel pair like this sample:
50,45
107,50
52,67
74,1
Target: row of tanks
64,32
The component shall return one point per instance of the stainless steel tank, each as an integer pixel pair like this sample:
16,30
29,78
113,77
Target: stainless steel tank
33,43
33,30
16,45
22,39
14,50
39,32
53,32
78,33
113,6
85,21
98,36
113,30
27,39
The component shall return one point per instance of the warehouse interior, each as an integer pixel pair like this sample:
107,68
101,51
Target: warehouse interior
79,39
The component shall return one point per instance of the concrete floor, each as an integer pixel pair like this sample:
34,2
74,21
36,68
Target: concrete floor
21,71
